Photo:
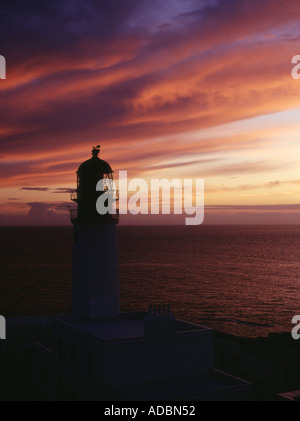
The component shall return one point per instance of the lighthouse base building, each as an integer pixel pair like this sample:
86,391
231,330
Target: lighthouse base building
134,357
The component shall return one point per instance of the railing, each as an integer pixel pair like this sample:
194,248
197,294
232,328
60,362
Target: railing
74,195
73,213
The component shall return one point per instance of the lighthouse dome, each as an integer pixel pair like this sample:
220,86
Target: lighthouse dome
94,165
94,168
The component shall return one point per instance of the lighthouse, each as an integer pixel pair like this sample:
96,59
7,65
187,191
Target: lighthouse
99,353
95,279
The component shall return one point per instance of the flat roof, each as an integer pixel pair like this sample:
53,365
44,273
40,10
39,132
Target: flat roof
211,384
126,326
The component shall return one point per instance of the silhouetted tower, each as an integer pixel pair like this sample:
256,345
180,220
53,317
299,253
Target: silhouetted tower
95,283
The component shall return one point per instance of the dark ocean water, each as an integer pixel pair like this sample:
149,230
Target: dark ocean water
237,279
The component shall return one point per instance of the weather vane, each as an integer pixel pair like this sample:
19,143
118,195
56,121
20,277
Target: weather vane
96,150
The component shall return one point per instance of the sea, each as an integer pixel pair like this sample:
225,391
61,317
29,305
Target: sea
243,280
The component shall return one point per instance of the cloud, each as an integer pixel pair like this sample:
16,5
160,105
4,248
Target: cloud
35,188
140,77
63,190
246,187
280,207
245,167
168,83
287,214
38,213
249,218
42,213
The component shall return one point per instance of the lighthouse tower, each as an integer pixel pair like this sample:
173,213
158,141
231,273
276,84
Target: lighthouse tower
100,354
95,282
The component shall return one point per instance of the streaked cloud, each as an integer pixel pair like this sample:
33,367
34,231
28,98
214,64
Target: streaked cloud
35,188
194,89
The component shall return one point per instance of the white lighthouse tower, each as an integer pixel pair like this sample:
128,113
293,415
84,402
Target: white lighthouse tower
95,284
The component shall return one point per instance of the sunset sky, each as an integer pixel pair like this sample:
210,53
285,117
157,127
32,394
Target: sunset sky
188,89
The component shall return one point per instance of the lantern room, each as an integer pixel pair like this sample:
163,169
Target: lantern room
89,174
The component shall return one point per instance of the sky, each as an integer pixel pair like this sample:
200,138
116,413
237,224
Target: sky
174,89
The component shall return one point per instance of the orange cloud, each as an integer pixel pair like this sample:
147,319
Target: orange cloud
155,96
